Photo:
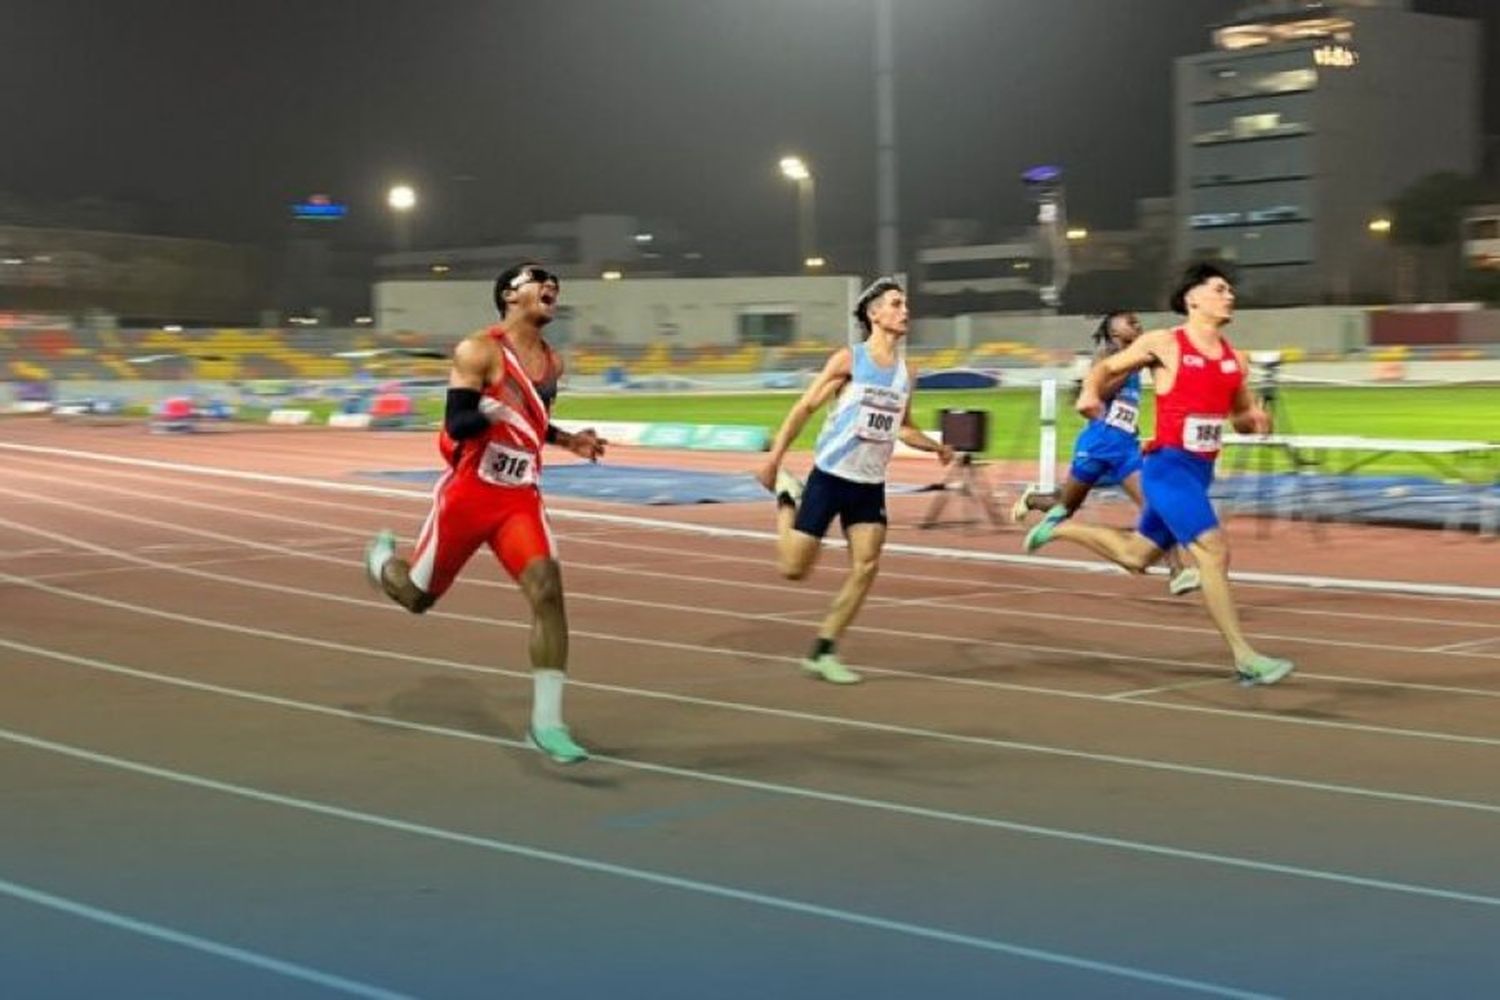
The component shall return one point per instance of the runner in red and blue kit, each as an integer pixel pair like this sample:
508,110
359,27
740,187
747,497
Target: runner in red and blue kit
1200,383
498,416
1107,452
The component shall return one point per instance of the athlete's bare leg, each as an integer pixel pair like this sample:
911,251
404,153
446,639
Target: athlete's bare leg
541,583
1211,550
395,580
796,551
1130,549
1069,496
865,542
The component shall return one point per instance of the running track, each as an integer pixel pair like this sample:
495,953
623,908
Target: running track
231,770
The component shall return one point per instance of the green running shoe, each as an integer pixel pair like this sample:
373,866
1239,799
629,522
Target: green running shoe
556,742
1041,533
831,670
1261,669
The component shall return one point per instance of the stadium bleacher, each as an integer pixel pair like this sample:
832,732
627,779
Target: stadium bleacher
58,353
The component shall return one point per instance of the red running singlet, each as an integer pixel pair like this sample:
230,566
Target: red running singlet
1191,414
509,453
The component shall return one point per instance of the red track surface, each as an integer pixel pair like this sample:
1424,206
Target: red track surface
1047,787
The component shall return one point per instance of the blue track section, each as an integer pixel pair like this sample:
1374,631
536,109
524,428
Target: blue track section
633,484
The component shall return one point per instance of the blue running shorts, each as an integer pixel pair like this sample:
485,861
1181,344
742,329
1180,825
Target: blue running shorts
1175,484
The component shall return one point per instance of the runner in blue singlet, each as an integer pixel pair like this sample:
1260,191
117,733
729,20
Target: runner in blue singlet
1107,451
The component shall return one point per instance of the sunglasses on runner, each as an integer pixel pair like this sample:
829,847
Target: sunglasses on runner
537,274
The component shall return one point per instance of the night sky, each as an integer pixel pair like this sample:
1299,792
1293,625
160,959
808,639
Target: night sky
505,114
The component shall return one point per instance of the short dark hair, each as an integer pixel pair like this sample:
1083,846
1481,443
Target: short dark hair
507,282
867,298
1101,332
1195,275
502,285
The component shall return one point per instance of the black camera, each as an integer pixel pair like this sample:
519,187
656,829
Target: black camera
966,431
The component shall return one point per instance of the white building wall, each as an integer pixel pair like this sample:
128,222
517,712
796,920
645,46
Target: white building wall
1312,328
681,311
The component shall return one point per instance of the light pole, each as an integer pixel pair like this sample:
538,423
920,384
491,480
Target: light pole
795,169
402,198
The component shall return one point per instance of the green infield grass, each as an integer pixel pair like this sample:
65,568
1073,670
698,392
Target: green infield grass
1468,413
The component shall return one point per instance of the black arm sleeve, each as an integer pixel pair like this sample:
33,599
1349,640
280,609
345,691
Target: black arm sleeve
461,417
553,433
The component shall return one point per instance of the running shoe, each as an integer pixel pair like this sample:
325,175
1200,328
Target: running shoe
556,742
1261,669
1184,582
831,670
788,488
1040,534
377,553
1021,508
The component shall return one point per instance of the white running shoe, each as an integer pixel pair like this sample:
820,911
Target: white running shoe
377,554
788,485
1021,508
1185,582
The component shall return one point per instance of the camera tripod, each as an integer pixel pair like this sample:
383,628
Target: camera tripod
1299,503
966,478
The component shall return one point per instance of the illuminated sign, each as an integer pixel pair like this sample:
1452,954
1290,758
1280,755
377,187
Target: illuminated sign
1042,175
1335,56
319,208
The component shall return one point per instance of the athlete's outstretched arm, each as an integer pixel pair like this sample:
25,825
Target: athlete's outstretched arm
831,379
585,443
911,435
1245,414
1104,379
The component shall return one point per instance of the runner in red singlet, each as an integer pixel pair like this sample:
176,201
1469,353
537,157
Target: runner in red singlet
500,394
1200,381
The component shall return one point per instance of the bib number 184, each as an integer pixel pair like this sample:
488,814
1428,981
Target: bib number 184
1202,434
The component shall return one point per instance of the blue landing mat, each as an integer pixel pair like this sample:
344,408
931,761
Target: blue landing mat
1411,501
634,484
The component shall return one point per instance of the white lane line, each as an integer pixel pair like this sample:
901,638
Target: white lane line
747,616
33,553
774,788
742,654
363,652
89,574
677,882
120,921
603,536
1454,647
937,601
1162,689
1003,590
970,555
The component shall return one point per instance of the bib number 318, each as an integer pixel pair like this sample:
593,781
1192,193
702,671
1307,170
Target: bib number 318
504,466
